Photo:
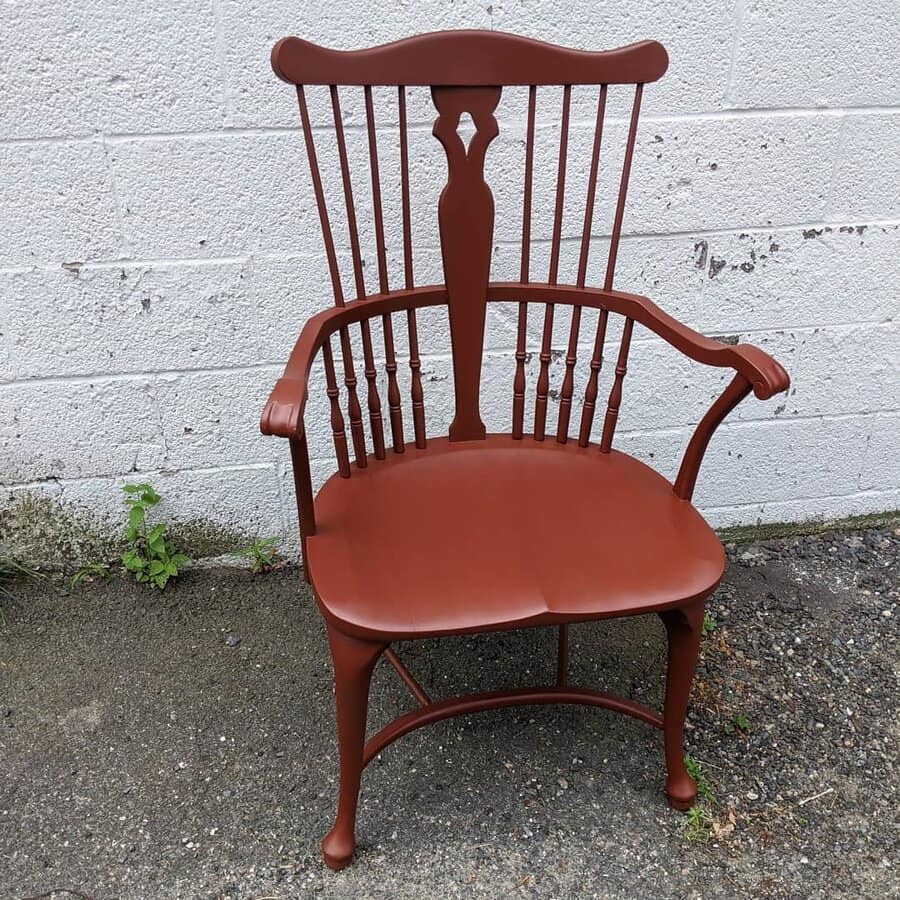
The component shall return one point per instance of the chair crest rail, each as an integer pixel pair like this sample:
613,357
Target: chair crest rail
466,58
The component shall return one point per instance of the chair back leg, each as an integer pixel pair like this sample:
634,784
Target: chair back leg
683,628
354,661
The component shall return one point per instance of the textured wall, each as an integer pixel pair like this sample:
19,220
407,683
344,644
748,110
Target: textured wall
158,250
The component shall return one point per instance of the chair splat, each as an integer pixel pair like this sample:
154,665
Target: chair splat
466,221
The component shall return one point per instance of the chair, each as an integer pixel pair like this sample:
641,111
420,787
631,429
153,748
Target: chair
420,535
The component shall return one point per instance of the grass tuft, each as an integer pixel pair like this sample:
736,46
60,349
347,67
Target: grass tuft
261,553
697,827
10,570
695,770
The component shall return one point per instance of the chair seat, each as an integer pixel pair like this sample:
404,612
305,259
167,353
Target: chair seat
499,533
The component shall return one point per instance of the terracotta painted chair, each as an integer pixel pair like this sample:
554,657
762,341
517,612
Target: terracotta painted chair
438,535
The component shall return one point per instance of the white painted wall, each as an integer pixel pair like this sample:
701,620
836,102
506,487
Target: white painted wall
158,247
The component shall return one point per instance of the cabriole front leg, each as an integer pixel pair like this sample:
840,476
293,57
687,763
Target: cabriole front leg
683,629
353,661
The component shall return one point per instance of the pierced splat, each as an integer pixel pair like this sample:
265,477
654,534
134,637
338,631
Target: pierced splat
466,221
466,130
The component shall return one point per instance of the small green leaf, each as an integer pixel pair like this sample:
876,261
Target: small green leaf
133,561
135,516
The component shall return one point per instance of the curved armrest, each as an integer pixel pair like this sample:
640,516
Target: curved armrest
766,375
283,415
283,412
755,369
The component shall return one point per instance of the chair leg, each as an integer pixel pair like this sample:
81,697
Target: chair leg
683,627
353,661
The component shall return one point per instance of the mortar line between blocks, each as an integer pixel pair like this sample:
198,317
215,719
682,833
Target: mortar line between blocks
273,367
284,518
141,475
124,245
499,352
710,232
769,422
835,166
683,431
873,492
237,131
219,51
242,259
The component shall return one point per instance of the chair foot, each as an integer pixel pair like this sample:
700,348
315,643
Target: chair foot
353,661
681,791
683,628
338,846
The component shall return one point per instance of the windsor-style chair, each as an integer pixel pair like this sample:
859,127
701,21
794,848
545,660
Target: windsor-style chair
437,536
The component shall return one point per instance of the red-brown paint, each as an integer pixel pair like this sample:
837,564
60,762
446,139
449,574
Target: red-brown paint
440,537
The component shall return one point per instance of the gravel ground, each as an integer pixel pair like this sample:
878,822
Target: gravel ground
182,745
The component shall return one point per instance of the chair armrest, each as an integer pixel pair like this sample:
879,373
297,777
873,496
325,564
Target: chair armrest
763,373
754,369
766,376
283,412
283,416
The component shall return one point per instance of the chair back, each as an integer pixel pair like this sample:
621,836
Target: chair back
367,205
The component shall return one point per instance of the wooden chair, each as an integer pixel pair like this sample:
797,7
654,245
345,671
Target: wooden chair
452,534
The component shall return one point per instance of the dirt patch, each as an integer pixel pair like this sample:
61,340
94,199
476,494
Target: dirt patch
182,745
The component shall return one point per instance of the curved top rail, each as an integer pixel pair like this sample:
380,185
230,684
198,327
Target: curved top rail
467,58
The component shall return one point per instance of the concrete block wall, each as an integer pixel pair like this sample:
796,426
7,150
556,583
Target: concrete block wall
159,248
